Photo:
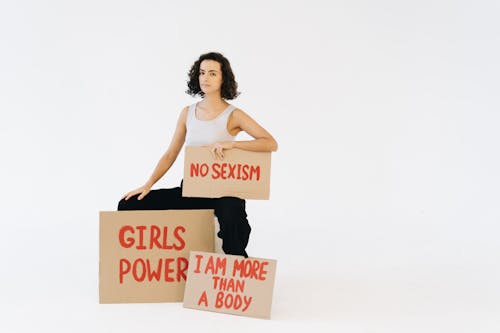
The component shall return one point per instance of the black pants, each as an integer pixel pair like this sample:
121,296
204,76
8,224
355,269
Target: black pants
230,211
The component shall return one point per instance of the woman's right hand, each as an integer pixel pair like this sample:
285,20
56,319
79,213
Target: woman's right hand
143,190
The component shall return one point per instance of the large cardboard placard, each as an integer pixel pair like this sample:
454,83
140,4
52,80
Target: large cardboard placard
230,284
241,173
144,255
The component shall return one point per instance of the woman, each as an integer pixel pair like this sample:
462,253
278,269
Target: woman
214,123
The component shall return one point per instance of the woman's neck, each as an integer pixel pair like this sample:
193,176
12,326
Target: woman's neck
212,101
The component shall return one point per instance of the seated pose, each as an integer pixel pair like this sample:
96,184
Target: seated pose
214,123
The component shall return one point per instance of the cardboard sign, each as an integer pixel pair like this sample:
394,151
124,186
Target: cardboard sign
144,255
230,284
241,174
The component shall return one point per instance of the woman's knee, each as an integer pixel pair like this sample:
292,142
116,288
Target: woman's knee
230,208
127,204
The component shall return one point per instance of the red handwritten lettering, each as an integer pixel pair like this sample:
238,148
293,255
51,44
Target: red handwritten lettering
219,300
230,301
155,234
231,171
245,172
154,274
143,270
226,171
179,229
124,268
182,266
251,269
197,169
239,171
214,267
215,170
226,284
168,269
198,262
141,229
203,298
194,170
129,242
135,270
255,170
151,238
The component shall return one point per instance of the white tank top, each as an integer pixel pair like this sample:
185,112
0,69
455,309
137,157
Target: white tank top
206,132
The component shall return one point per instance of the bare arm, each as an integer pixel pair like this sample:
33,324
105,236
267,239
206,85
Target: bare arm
173,150
167,159
263,140
240,121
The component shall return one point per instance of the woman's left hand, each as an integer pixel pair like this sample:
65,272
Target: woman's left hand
217,149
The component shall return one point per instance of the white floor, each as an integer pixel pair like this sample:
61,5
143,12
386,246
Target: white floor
57,291
300,302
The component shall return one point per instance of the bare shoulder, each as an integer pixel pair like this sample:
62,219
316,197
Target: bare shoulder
236,116
184,112
239,113
182,118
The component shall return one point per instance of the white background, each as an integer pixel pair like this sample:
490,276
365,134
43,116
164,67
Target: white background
384,212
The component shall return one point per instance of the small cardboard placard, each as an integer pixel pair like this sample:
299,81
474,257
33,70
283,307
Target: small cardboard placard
230,284
144,255
241,174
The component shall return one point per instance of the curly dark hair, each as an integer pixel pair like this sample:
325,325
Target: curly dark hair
229,86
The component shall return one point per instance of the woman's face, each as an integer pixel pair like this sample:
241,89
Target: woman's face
210,76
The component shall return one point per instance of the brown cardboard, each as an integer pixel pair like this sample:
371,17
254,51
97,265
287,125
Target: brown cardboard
241,173
167,238
212,286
